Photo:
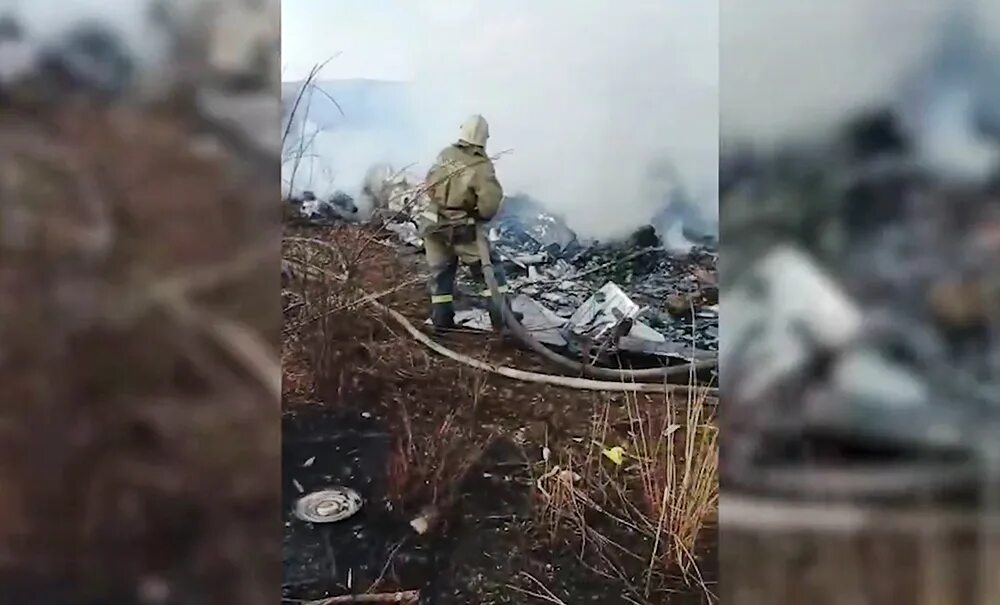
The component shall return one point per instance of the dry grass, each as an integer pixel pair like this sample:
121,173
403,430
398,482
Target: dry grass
426,468
665,490
141,444
680,488
431,451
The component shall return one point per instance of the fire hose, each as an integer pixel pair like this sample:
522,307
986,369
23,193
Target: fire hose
502,315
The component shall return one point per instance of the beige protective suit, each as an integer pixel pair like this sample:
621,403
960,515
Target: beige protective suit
464,193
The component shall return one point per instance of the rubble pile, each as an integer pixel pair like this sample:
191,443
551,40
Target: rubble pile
677,292
571,291
870,327
307,208
523,227
674,294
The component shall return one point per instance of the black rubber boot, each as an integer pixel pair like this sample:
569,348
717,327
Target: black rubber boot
442,288
443,317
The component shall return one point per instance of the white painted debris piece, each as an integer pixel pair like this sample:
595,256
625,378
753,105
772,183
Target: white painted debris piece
779,317
541,322
328,505
602,311
547,327
407,233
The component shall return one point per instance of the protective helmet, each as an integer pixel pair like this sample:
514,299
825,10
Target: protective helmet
475,131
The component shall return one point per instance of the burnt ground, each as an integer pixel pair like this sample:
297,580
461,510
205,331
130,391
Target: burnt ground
368,407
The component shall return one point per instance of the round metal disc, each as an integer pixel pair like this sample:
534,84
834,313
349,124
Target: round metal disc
328,505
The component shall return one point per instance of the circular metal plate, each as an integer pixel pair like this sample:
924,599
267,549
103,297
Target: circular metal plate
328,505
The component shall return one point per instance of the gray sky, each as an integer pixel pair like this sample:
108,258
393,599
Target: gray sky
372,36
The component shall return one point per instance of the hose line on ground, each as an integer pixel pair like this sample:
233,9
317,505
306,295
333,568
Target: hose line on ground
526,376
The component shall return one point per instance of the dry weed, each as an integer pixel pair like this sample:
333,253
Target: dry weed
140,446
427,465
665,491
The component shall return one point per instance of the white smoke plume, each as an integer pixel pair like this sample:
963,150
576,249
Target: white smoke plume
794,72
165,41
337,159
46,23
590,96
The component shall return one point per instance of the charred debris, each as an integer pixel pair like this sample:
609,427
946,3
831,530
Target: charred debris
577,295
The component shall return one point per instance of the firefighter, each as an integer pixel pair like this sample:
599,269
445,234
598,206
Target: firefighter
464,195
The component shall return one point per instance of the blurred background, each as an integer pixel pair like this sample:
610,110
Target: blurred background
139,317
860,229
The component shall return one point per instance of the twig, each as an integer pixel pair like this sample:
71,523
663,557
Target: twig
388,563
309,271
656,541
298,98
305,119
331,245
351,304
534,594
307,84
406,596
329,96
244,345
551,596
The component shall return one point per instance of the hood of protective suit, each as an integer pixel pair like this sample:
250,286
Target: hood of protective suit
475,131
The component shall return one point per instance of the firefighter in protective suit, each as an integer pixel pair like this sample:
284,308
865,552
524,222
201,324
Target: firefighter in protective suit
464,194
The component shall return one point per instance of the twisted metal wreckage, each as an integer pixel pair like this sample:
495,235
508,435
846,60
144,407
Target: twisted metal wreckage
566,292
862,299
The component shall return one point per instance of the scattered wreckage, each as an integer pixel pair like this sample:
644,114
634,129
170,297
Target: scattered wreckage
861,352
592,299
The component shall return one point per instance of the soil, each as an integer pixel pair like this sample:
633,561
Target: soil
367,407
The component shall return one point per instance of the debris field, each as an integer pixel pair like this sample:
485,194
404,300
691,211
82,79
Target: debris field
476,487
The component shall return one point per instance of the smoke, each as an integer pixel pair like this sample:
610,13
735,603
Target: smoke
338,158
794,72
164,42
948,143
45,24
588,95
331,158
